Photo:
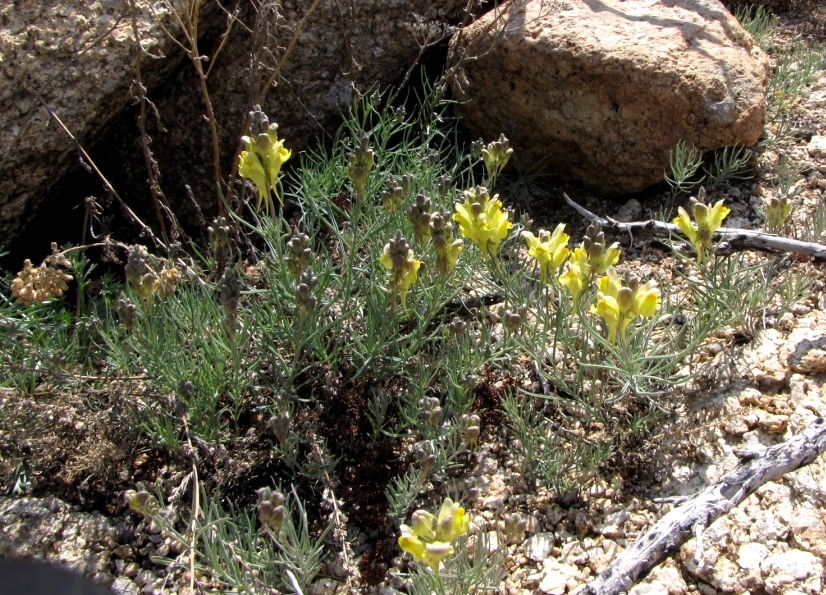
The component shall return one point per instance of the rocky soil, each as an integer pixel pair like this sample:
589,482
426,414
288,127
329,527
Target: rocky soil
750,392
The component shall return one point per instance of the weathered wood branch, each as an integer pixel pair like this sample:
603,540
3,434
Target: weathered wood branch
733,239
698,512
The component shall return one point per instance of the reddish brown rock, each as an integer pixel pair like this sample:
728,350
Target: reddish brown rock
601,91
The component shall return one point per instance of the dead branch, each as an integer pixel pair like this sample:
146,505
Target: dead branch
733,240
698,512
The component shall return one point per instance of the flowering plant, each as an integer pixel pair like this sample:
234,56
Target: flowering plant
482,220
262,159
428,539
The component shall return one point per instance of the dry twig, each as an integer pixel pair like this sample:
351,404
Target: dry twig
691,518
733,240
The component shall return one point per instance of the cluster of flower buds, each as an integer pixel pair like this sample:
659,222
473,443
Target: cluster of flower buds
127,313
145,280
777,213
230,294
263,157
141,501
457,327
429,537
707,220
444,185
299,254
430,410
476,148
271,510
512,319
400,262
589,259
600,257
447,249
471,429
39,285
425,457
399,114
280,425
359,164
305,301
549,249
419,214
496,156
621,301
471,486
392,197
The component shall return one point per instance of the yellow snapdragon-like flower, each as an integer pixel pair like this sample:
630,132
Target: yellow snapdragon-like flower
576,275
428,539
549,249
707,220
482,220
618,303
401,263
261,163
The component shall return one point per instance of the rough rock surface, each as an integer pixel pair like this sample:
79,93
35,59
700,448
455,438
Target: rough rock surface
601,91
51,530
343,47
78,57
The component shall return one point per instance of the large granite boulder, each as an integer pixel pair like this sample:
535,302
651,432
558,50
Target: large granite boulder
344,48
600,91
78,57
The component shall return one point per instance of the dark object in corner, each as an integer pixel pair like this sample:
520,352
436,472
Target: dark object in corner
33,577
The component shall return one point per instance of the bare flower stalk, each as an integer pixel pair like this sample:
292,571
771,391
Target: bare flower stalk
151,165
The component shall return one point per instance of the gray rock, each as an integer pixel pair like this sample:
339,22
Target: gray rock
77,56
602,92
539,546
342,51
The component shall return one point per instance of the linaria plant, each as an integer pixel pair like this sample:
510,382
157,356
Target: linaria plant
619,302
550,250
329,339
482,220
707,220
428,538
402,266
496,156
684,163
359,165
262,158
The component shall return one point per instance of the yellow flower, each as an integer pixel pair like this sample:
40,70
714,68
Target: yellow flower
619,303
261,163
576,274
451,522
549,249
401,264
428,540
708,220
482,220
607,259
